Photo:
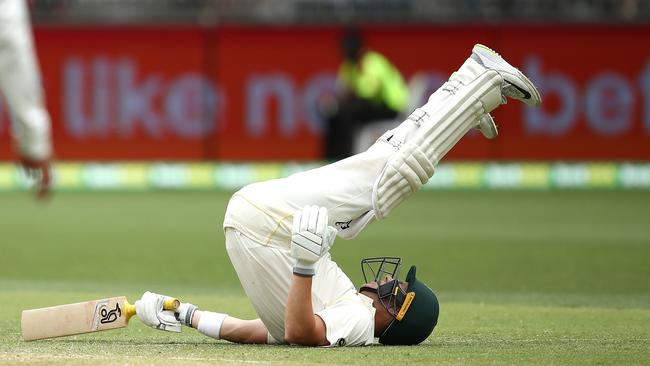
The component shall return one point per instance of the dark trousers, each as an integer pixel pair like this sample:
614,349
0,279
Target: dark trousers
342,127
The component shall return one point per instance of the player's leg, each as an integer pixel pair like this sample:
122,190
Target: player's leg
334,148
478,87
265,274
366,186
20,82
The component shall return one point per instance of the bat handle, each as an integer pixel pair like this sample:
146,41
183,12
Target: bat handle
169,304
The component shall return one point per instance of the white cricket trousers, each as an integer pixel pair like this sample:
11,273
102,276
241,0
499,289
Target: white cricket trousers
20,82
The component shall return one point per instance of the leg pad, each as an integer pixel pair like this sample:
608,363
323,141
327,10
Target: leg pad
441,126
404,174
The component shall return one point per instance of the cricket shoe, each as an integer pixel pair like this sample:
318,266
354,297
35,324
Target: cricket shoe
487,127
516,85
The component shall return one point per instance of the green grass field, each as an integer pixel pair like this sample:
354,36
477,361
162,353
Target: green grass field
550,278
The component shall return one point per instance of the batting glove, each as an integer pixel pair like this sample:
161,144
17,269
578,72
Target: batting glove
311,239
150,310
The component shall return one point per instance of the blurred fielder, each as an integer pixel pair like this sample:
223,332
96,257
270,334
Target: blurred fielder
278,233
21,87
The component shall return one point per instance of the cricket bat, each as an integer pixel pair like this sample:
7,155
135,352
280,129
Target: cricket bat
82,317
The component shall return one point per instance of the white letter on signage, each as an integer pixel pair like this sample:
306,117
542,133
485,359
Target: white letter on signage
536,122
608,105
191,106
317,86
77,122
259,89
2,117
644,80
136,101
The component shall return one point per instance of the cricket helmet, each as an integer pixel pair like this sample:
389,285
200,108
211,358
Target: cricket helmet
414,311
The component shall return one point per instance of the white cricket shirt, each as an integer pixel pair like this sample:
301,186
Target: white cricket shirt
258,239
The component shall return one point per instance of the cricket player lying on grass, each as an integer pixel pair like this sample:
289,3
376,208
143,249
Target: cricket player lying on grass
278,233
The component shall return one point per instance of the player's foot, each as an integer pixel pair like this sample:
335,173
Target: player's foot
516,85
487,127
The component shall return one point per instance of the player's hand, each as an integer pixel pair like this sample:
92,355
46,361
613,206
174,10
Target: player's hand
150,310
41,172
311,238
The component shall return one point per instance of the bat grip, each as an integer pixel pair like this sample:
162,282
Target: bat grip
169,304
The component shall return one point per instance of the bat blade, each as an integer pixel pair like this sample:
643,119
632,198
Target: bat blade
78,318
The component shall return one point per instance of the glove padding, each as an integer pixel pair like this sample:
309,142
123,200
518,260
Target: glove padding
150,310
311,238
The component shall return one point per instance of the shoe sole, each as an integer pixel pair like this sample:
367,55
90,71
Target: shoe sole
528,88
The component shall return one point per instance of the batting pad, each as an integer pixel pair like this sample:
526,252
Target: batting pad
441,127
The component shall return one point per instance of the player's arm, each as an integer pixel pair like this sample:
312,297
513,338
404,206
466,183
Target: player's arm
216,325
301,325
233,329
311,239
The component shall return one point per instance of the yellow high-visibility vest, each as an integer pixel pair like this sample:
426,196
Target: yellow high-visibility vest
375,78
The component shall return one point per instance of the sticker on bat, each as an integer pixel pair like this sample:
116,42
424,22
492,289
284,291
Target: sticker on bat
110,316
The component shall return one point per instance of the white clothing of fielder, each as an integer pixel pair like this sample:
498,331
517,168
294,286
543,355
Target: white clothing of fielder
355,191
20,82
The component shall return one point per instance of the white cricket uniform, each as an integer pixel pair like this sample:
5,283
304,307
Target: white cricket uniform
20,82
258,225
259,217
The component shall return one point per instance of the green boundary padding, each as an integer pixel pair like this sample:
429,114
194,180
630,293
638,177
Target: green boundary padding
135,176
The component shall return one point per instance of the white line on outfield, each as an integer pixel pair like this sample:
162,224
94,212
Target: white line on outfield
23,357
612,340
216,359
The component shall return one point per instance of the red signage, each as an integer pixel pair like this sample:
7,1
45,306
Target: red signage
251,93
